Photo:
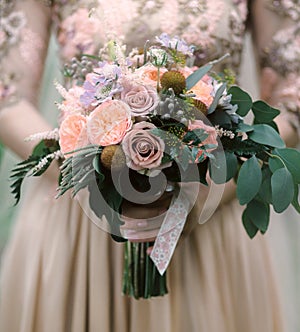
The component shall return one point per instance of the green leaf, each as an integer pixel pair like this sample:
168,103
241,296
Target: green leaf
265,191
184,159
249,180
217,97
282,189
244,128
231,165
291,159
240,98
295,201
250,228
219,117
196,76
275,163
263,112
195,137
259,214
97,164
264,134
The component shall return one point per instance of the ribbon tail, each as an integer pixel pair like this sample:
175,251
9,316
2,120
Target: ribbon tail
169,233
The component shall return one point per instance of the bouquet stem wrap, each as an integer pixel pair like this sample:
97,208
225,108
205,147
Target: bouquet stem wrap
141,278
144,274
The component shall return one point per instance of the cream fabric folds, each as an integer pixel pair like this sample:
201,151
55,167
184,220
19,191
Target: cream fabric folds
62,273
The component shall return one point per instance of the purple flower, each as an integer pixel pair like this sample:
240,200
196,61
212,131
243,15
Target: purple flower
175,43
101,85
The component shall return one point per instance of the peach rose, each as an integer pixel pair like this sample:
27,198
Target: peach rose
203,89
72,133
203,92
109,122
211,131
148,74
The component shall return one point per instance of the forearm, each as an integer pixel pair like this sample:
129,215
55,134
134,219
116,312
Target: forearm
17,122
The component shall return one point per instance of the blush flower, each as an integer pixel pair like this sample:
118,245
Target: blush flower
71,104
142,99
72,133
203,92
148,74
142,148
109,122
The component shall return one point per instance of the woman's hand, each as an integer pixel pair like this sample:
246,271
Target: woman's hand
143,221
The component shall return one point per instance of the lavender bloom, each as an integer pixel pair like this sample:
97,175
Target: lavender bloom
175,43
101,85
108,72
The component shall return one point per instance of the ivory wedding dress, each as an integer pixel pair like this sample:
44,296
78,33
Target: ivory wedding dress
60,271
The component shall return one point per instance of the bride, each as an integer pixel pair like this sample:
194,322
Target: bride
61,272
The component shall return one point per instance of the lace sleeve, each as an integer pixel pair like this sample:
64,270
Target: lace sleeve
24,33
276,25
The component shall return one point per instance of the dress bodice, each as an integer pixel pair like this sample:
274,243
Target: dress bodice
213,27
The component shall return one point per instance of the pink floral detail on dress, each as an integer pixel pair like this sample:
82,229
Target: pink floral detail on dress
286,7
30,48
7,90
169,233
77,33
283,54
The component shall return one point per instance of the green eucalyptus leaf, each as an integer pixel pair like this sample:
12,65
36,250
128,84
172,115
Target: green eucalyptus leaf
263,112
291,159
220,118
196,76
264,134
282,189
249,180
295,201
250,228
231,165
217,97
240,98
265,191
184,159
244,128
275,163
259,214
273,125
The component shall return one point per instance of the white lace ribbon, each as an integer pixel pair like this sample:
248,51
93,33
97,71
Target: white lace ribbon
169,233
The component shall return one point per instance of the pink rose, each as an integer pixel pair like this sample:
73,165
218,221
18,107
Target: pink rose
109,122
72,133
142,99
211,131
142,148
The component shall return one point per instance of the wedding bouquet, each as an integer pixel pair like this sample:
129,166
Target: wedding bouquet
133,127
